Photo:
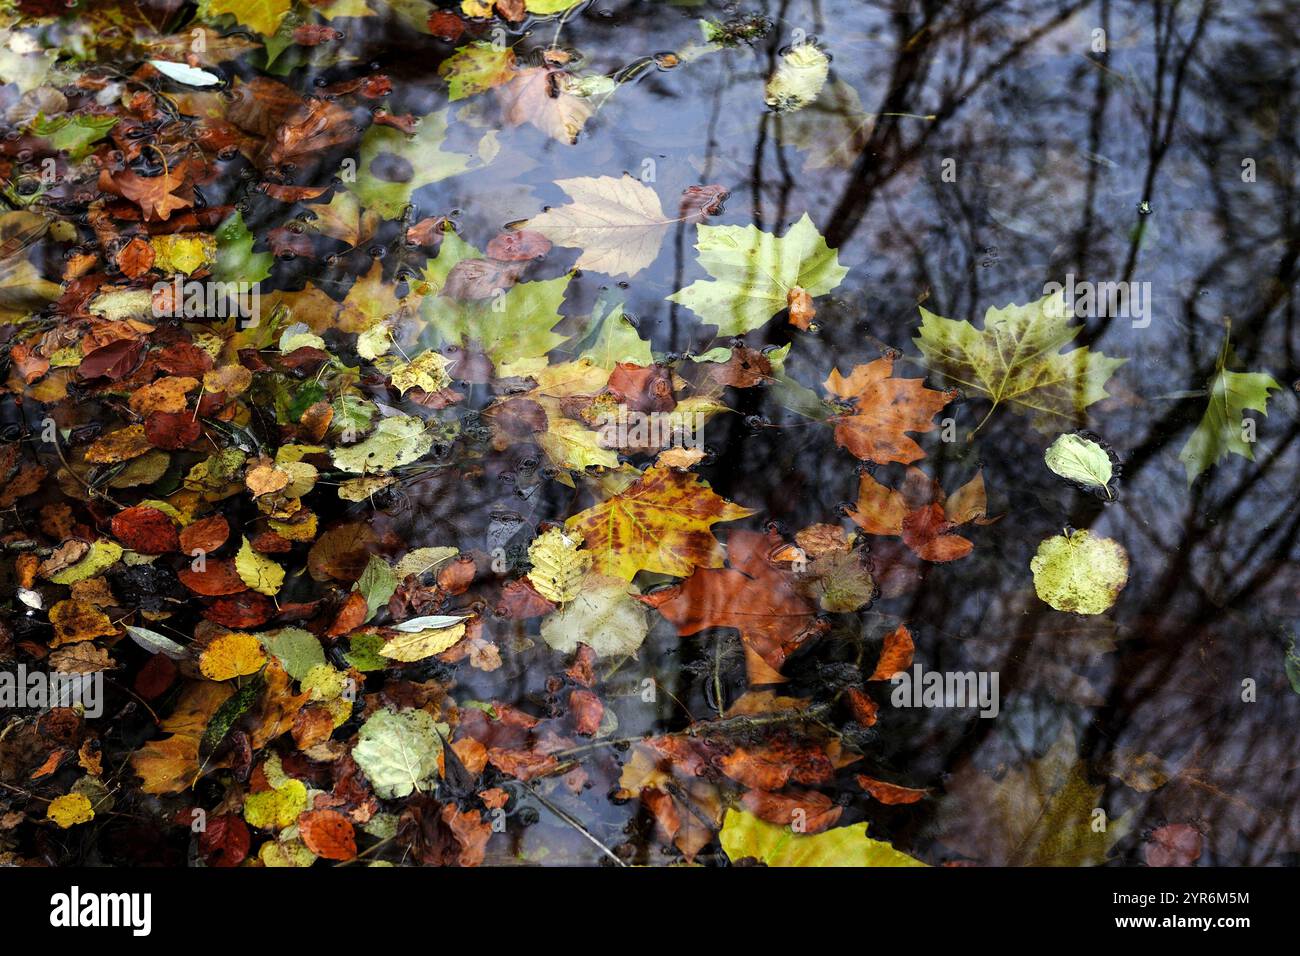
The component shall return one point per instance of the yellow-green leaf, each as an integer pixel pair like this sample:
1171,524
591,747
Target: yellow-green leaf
257,570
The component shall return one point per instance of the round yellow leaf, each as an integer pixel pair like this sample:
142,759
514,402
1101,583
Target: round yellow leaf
232,655
70,809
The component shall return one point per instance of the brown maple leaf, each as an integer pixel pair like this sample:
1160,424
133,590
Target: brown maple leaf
884,410
153,194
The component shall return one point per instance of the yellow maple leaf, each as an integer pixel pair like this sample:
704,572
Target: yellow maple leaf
661,522
171,764
264,16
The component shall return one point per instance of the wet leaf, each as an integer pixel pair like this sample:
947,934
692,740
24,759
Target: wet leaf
745,836
884,410
1080,572
1221,430
399,751
754,271
1080,459
1015,359
661,522
618,223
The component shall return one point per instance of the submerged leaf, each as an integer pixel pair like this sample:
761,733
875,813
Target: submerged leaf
745,836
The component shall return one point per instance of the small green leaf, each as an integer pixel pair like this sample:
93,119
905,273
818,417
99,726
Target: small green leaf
297,650
377,583
236,260
1080,459
235,706
1222,429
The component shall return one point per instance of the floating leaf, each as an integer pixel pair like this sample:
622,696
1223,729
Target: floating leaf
399,751
659,523
558,565
1080,572
745,836
396,441
416,645
799,78
1222,431
257,570
754,272
232,655
602,615
1080,459
1015,359
618,223
69,810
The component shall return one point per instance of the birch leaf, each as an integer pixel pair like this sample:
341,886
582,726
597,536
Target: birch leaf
396,441
399,750
1080,572
418,645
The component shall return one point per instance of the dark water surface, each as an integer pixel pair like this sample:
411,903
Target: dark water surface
1123,165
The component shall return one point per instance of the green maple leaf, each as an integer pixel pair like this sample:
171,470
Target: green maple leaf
513,326
610,338
754,272
393,165
1016,360
1040,814
1220,431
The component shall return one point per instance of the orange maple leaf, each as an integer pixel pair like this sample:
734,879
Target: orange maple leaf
884,409
751,596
